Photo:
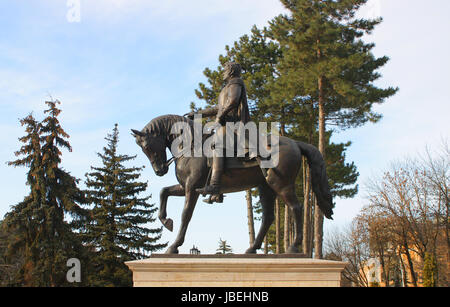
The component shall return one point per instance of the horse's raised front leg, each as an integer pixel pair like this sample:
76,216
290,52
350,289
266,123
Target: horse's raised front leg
189,206
175,190
267,198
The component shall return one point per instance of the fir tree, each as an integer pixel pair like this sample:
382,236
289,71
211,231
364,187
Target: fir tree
24,217
40,232
117,230
224,247
63,196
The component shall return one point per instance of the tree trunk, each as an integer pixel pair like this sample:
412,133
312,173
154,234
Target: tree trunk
318,216
291,230
410,263
277,227
384,270
286,228
251,224
266,245
447,219
318,233
306,211
286,209
403,269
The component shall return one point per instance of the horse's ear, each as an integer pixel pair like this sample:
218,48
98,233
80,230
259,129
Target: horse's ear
137,133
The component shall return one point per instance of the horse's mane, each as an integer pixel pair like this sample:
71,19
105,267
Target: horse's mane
162,125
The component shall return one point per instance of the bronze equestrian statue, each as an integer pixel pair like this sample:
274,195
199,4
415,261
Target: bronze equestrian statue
193,172
232,107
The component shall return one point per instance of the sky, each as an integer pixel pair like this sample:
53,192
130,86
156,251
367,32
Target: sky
128,61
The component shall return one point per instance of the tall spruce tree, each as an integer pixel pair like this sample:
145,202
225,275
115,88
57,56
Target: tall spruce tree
327,64
118,228
37,225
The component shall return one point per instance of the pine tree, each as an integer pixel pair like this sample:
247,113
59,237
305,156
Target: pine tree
224,247
272,99
326,63
40,232
117,230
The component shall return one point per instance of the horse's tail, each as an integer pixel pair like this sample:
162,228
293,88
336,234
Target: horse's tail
319,178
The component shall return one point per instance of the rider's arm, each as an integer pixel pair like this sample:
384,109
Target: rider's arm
208,112
234,98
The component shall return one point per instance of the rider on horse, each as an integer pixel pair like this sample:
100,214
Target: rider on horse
232,107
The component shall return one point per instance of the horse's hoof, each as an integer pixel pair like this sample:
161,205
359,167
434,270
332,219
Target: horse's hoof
251,250
168,224
172,250
293,250
217,198
208,201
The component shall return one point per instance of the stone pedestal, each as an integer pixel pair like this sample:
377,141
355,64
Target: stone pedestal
235,271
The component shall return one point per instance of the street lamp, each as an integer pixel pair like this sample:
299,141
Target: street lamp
194,250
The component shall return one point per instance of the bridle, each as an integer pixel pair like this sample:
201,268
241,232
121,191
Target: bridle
173,159
170,161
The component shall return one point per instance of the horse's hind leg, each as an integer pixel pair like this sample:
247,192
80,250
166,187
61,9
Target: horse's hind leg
290,198
267,198
175,190
189,206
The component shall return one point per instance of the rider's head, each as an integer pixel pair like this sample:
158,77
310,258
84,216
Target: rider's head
231,70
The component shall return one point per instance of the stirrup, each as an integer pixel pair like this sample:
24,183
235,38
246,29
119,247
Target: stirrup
216,198
210,189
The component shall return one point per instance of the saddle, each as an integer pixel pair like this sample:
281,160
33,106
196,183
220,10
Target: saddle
243,162
237,163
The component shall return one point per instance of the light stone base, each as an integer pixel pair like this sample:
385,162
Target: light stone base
235,272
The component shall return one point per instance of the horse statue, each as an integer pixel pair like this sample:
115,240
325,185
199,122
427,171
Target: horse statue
192,174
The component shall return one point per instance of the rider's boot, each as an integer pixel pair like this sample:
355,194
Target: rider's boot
214,186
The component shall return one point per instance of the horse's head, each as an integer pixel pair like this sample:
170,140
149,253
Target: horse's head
154,147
